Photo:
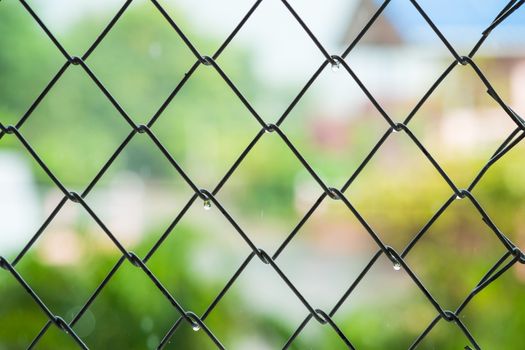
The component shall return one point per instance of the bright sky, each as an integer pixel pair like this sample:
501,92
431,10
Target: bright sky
271,21
284,55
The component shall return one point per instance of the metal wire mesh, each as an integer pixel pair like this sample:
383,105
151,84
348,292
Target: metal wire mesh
512,254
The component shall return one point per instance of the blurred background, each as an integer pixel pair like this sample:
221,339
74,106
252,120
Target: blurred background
75,129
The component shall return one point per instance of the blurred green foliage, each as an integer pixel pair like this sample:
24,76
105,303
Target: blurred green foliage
75,129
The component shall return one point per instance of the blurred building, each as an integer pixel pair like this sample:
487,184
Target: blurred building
19,213
400,57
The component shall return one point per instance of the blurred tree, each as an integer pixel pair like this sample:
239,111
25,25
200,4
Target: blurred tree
75,129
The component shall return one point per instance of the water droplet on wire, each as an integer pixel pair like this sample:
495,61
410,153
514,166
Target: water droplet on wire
195,327
335,66
397,266
207,204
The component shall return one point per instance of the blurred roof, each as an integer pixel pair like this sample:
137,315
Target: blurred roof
461,21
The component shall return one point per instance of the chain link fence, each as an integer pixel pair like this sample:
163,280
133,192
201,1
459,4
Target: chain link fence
512,254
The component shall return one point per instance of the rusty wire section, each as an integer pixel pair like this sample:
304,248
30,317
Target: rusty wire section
512,255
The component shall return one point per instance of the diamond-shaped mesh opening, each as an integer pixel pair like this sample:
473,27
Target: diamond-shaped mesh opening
62,255
385,301
415,189
226,127
247,306
329,123
198,257
462,133
280,72
281,191
151,59
112,316
330,248
140,194
68,149
457,238
398,58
